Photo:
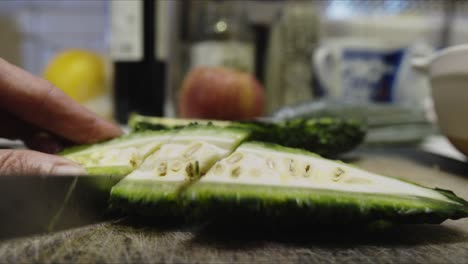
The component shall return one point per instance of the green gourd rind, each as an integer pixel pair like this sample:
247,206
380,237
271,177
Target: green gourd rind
138,122
302,206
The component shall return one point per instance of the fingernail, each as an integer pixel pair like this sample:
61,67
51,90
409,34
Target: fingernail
69,170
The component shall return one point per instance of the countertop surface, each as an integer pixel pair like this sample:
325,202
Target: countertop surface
119,241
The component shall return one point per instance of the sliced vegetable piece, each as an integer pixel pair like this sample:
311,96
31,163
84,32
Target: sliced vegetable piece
119,156
155,187
138,122
325,136
268,183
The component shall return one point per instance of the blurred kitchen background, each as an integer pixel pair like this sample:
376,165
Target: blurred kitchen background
312,57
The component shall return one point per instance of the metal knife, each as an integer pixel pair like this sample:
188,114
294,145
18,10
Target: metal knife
40,204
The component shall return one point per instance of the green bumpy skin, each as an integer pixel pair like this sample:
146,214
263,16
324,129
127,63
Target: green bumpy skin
157,184
325,136
264,183
138,122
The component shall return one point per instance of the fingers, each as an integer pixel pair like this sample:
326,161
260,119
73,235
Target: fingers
38,102
28,162
45,142
14,128
34,138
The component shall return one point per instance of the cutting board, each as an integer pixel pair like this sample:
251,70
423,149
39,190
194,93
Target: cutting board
120,241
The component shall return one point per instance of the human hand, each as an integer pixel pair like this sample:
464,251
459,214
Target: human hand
33,110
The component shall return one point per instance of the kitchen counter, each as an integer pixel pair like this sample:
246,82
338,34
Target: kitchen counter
118,241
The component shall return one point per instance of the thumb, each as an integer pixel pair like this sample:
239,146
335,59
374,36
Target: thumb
28,162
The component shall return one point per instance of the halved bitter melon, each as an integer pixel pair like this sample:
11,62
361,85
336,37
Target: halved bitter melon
269,183
325,136
119,156
138,122
113,159
155,187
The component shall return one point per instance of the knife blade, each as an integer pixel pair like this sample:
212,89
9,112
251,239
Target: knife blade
41,204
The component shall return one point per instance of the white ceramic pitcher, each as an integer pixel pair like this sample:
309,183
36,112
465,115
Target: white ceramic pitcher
448,74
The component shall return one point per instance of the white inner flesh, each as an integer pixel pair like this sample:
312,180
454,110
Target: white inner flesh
261,166
222,142
170,162
127,154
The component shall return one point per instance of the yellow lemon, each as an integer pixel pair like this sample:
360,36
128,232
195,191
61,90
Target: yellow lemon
79,73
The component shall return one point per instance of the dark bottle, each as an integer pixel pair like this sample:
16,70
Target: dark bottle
139,75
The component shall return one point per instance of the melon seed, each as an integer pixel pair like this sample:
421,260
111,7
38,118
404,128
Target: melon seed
307,171
192,150
291,167
236,172
218,169
133,162
337,174
162,169
189,170
235,158
176,166
193,170
270,163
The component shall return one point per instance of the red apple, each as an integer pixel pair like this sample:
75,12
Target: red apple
220,93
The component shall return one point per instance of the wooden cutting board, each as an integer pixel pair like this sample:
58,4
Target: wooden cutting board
118,241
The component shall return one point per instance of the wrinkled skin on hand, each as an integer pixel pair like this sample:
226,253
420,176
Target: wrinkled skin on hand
33,110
